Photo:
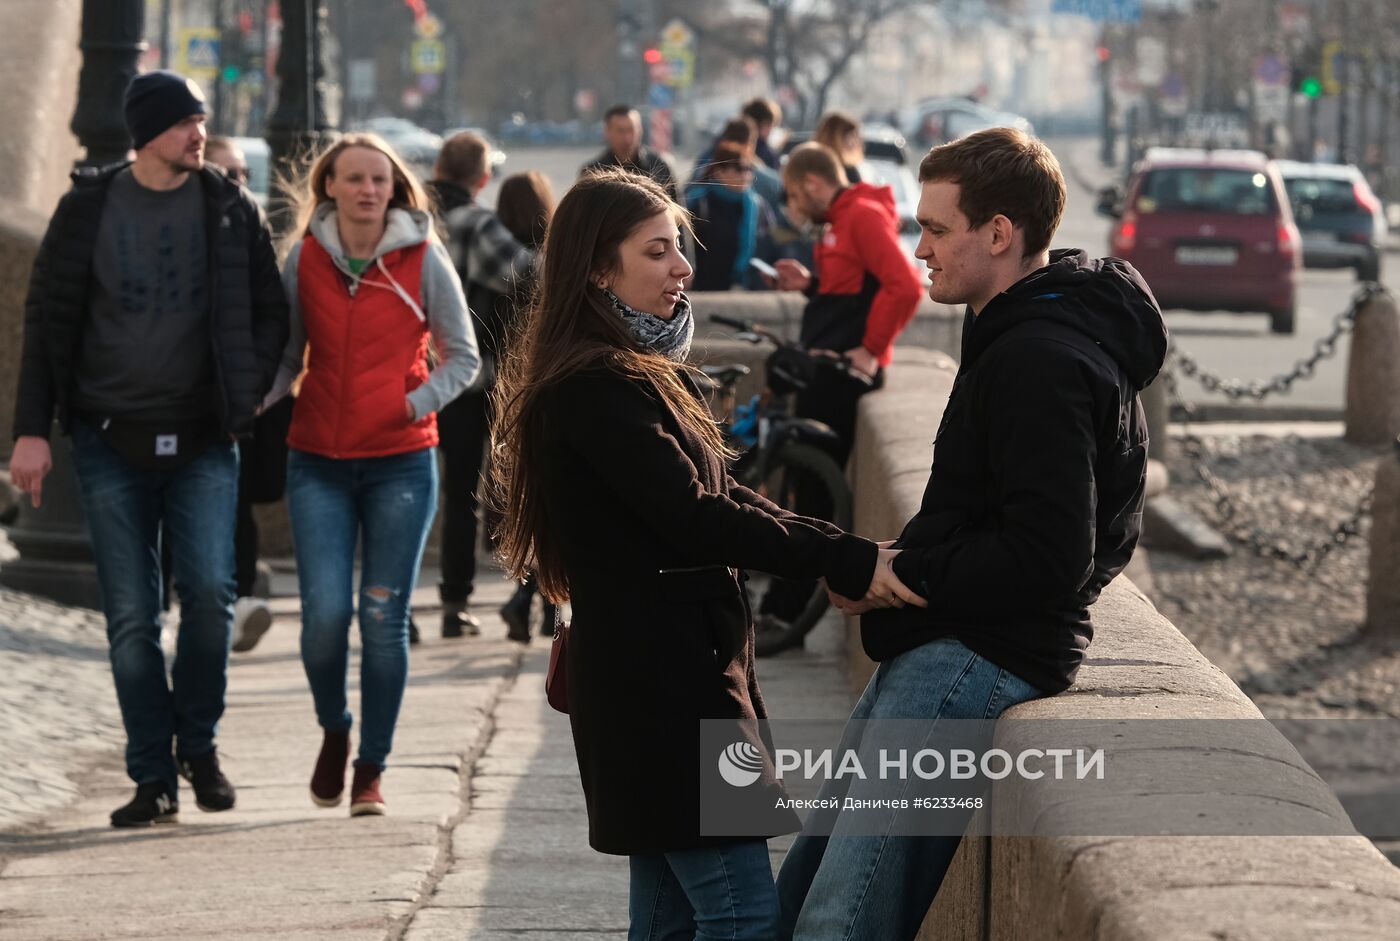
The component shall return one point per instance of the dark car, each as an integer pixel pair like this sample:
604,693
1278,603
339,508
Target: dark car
1338,214
1210,230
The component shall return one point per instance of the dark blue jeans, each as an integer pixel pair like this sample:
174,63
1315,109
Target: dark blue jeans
718,892
851,886
386,505
126,507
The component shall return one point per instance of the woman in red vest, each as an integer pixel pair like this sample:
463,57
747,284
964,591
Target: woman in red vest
369,284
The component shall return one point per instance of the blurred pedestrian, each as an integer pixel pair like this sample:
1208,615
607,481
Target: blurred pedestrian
525,205
863,293
152,329
369,284
262,463
622,129
741,133
611,474
840,132
729,220
491,263
767,117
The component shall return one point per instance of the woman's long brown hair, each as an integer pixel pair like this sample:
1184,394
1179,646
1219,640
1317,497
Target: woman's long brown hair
306,190
571,327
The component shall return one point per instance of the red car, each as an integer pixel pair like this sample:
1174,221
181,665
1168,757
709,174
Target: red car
1210,230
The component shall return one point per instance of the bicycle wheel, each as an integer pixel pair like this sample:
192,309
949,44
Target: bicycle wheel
798,467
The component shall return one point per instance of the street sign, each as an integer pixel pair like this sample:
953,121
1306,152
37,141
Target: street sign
1333,63
428,56
677,55
199,52
362,80
1270,70
428,26
661,96
1151,55
1101,11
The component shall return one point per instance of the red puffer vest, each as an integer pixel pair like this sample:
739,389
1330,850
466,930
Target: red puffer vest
368,350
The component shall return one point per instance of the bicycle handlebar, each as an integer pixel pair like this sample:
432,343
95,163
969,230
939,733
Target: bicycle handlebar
840,360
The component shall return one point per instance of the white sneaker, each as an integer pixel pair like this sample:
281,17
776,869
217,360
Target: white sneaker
251,619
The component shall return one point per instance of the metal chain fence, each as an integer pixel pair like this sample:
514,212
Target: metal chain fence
1262,544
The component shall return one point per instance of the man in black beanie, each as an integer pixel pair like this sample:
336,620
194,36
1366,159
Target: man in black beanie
152,330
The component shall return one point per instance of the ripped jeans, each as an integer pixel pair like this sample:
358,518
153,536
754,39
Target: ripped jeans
386,504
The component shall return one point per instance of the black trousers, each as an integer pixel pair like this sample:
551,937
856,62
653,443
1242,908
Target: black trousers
262,478
832,398
463,428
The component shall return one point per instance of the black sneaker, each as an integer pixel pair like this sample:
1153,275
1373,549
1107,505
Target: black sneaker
212,791
153,803
459,624
414,638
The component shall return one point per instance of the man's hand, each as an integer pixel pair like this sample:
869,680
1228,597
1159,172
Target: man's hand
30,464
864,361
886,590
792,275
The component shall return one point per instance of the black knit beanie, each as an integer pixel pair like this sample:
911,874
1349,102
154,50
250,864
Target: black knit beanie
157,101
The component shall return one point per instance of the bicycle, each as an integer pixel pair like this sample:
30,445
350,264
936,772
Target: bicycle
779,454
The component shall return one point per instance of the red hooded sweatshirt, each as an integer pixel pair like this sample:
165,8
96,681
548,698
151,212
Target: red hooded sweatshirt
867,286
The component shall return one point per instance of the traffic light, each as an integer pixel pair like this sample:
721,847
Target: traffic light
1104,53
233,55
652,55
1307,71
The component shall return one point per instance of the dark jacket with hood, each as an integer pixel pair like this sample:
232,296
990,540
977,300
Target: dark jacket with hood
248,309
1035,499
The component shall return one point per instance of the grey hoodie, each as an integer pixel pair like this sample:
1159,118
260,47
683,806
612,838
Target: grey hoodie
443,305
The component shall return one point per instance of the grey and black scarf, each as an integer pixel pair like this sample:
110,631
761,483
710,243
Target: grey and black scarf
671,338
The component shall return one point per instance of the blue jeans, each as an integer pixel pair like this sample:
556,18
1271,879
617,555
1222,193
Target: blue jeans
386,504
849,887
126,508
718,892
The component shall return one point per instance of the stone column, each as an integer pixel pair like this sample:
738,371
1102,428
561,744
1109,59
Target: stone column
1383,580
1373,373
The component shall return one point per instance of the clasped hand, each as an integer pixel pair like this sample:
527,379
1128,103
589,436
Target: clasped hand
886,590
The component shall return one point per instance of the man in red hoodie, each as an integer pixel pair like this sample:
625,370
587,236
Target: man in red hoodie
863,293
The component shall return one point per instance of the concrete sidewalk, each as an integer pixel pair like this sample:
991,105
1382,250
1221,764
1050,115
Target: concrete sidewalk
486,837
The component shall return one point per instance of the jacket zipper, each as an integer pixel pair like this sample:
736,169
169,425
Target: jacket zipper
336,449
213,228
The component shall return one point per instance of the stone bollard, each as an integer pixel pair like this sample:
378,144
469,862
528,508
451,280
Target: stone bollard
1373,373
1157,412
1383,583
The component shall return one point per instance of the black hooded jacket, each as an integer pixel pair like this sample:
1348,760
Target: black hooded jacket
1035,499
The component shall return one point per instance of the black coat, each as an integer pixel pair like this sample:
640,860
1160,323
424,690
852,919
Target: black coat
649,525
1035,499
248,309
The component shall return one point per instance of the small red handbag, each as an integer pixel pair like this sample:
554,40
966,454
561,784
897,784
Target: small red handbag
556,678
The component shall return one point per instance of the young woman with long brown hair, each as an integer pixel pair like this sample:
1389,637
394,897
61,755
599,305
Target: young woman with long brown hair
611,475
369,285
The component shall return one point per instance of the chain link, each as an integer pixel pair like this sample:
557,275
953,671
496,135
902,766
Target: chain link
1325,348
1261,544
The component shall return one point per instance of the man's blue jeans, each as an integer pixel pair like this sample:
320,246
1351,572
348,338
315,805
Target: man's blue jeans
850,887
716,892
126,507
386,504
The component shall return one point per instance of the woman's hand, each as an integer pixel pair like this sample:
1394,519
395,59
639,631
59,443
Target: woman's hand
408,410
886,590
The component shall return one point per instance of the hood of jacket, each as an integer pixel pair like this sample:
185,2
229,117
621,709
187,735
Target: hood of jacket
1103,298
404,229
863,195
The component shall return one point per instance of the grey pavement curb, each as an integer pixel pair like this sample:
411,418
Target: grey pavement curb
448,826
1170,526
